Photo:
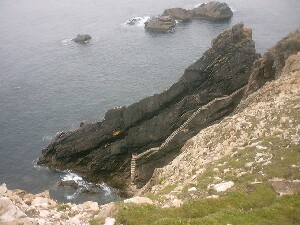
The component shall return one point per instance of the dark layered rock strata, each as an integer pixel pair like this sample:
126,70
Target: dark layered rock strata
102,151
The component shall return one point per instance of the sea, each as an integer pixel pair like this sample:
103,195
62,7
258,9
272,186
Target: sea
49,83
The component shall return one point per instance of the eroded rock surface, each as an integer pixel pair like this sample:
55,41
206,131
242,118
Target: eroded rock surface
160,23
102,151
214,11
179,14
271,64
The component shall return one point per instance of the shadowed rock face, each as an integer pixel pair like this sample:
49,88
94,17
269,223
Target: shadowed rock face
102,151
269,66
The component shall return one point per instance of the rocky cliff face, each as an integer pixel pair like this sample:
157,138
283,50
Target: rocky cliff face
102,151
257,145
269,66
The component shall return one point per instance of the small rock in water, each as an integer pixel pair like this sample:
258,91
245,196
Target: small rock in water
68,183
82,38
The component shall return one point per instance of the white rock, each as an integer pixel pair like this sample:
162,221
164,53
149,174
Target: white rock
249,164
94,206
110,221
38,201
107,209
216,170
74,220
9,212
139,200
192,189
177,203
213,196
44,213
259,147
3,189
223,186
41,221
226,170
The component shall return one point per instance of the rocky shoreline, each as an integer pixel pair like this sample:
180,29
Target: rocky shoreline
255,148
19,207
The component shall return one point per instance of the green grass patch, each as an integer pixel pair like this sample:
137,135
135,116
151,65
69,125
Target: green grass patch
259,206
63,207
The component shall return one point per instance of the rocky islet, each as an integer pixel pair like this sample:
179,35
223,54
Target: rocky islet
211,11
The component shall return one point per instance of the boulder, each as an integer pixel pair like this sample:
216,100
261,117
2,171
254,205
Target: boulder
68,183
221,187
178,14
82,38
3,189
102,151
109,221
213,11
160,23
139,200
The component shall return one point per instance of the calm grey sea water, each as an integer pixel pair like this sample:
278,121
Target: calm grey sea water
49,84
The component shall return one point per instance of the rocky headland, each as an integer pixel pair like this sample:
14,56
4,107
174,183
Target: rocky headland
208,90
212,11
247,165
243,168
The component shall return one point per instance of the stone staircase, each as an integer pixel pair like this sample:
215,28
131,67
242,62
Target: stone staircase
132,168
170,138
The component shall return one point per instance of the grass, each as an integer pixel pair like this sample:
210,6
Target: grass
260,206
96,221
63,207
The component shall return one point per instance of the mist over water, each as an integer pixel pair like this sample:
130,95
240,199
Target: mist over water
49,84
